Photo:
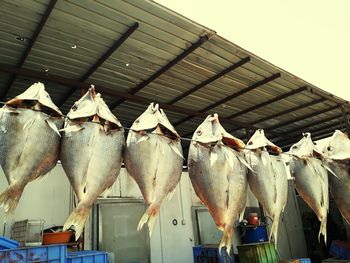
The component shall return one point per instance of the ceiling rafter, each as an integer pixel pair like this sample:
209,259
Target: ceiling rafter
102,59
233,96
168,66
30,45
268,102
211,79
303,117
36,75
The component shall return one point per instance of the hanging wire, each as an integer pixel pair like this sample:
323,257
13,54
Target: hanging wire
183,138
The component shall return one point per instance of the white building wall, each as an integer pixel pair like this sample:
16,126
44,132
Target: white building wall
47,198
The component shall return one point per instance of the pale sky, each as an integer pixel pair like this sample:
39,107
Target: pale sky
308,38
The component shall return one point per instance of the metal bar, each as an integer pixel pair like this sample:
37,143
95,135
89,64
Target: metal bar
210,80
243,91
113,92
235,95
304,127
268,102
290,110
328,96
317,135
102,59
31,43
312,114
168,66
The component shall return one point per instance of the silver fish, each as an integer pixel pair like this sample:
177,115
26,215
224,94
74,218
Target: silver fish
311,179
153,158
218,175
29,141
91,153
268,180
338,153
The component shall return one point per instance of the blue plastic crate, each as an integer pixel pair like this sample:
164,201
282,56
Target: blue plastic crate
87,256
210,254
304,260
52,254
6,243
340,249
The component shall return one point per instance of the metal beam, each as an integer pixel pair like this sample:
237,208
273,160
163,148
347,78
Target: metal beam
102,59
109,91
268,102
234,95
305,127
318,134
290,110
312,114
168,66
210,80
31,43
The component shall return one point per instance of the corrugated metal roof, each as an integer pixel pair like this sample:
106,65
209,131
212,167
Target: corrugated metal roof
161,36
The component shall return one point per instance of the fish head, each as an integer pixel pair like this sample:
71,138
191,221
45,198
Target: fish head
153,119
258,141
148,120
211,131
35,97
85,107
91,105
305,147
207,131
338,147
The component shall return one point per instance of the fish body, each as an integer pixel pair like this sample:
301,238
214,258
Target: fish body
218,176
337,152
268,178
311,179
29,142
153,158
91,155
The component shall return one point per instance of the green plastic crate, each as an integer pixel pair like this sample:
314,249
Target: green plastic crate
263,252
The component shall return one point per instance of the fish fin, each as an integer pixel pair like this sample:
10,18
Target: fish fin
142,139
28,124
330,170
226,240
323,230
170,195
213,157
9,200
244,162
53,126
176,150
241,214
274,230
149,217
72,128
77,219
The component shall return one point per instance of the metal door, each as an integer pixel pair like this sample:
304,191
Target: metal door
117,230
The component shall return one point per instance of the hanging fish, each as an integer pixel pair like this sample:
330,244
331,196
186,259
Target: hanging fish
311,179
337,152
91,153
218,175
268,177
29,141
153,158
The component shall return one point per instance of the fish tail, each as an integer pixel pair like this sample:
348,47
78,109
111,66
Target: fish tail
149,217
226,240
274,230
9,200
323,230
77,219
